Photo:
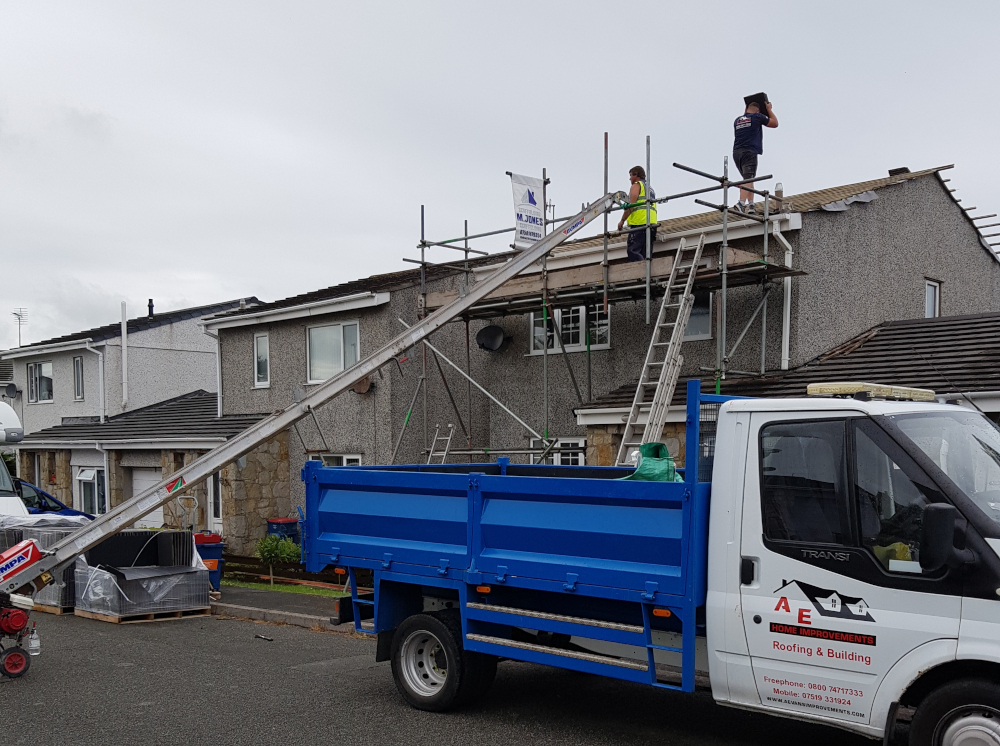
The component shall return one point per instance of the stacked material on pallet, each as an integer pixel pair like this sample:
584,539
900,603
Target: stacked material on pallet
46,530
140,576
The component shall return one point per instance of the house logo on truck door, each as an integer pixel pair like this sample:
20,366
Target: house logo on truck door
825,602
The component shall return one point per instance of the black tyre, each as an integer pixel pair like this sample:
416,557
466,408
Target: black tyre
14,662
962,713
430,668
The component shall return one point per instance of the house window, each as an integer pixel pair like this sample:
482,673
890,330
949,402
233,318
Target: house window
932,299
262,361
39,382
338,459
700,324
92,493
571,324
78,378
563,457
331,349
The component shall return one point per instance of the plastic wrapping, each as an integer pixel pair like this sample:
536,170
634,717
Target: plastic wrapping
144,589
62,593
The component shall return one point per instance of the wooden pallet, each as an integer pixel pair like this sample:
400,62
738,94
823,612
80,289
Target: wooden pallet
157,616
58,610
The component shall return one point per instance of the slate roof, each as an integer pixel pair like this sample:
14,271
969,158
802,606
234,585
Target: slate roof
410,277
951,354
189,417
109,331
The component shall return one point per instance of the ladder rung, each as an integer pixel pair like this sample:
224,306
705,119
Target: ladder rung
669,323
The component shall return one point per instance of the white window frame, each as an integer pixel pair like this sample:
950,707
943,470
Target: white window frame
78,392
554,347
557,459
257,383
698,337
936,285
340,325
346,459
33,380
84,476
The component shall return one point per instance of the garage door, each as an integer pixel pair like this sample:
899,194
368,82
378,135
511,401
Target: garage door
143,479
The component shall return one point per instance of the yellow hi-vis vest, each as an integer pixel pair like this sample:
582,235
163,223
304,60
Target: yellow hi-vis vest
638,215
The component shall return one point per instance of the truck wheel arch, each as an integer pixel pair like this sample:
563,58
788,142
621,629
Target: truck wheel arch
930,680
907,672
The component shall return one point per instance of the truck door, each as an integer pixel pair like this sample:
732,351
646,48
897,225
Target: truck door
832,591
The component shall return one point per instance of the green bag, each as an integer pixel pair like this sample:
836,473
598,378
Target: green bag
655,465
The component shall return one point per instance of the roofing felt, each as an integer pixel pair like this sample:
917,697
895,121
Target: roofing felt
189,417
950,354
109,331
411,277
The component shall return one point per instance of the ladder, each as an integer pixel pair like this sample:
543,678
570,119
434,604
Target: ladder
663,361
41,572
447,444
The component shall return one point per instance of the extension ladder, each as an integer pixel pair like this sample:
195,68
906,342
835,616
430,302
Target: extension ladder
447,444
662,366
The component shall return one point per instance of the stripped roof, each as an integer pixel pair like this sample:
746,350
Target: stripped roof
950,354
110,331
189,417
411,277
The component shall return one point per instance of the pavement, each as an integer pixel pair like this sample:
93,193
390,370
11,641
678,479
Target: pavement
212,681
281,607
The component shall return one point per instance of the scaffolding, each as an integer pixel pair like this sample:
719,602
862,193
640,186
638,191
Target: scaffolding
597,291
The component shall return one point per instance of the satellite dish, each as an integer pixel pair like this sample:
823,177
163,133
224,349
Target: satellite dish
490,338
10,391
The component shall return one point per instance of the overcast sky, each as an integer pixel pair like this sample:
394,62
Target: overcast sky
192,152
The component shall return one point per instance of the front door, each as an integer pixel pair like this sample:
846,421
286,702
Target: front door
142,480
831,527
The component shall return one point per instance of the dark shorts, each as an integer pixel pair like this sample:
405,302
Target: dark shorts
636,246
746,162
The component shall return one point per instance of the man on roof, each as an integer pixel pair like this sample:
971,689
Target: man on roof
748,144
636,216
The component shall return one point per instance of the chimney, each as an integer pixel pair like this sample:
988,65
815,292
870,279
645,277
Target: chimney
898,171
150,307
243,304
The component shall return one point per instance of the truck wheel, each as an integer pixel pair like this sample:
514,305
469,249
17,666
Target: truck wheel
962,713
14,662
431,669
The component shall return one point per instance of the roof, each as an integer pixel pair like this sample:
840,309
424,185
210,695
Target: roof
411,277
950,354
189,417
109,331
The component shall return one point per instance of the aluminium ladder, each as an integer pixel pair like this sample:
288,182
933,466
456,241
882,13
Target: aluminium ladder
443,455
53,560
660,374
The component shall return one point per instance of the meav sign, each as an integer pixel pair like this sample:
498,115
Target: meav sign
529,215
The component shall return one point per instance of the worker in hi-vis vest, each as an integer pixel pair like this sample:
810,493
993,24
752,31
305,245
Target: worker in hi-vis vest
636,216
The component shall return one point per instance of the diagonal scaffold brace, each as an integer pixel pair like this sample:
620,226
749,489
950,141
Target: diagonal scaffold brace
53,561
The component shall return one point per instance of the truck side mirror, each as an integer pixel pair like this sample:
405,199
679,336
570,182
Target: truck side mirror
938,545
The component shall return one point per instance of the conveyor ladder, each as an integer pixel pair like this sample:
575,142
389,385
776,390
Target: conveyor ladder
662,366
43,571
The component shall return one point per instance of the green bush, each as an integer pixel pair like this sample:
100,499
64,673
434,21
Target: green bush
274,549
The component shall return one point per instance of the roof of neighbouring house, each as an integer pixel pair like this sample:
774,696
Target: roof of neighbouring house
950,354
805,202
142,323
189,417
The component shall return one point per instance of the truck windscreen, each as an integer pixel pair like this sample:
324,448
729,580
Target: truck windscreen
6,485
965,446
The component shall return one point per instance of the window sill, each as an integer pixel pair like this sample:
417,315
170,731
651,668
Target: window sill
44,401
262,385
569,350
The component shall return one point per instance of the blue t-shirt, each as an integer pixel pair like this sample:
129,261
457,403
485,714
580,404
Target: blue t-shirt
749,135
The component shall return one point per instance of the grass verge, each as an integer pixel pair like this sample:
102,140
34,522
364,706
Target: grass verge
305,590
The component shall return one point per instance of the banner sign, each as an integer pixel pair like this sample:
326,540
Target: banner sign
529,215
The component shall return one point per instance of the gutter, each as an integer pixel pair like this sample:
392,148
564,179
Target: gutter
618,415
76,344
142,443
316,308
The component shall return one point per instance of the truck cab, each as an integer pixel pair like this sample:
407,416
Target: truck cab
854,564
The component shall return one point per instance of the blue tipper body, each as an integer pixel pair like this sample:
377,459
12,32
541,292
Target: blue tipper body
565,550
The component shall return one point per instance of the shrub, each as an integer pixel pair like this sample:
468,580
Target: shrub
274,549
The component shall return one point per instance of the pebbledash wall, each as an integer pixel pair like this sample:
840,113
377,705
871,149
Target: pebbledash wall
863,265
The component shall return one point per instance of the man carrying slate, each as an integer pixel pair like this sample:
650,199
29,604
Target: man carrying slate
748,144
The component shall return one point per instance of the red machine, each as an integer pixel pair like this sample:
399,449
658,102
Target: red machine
14,659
